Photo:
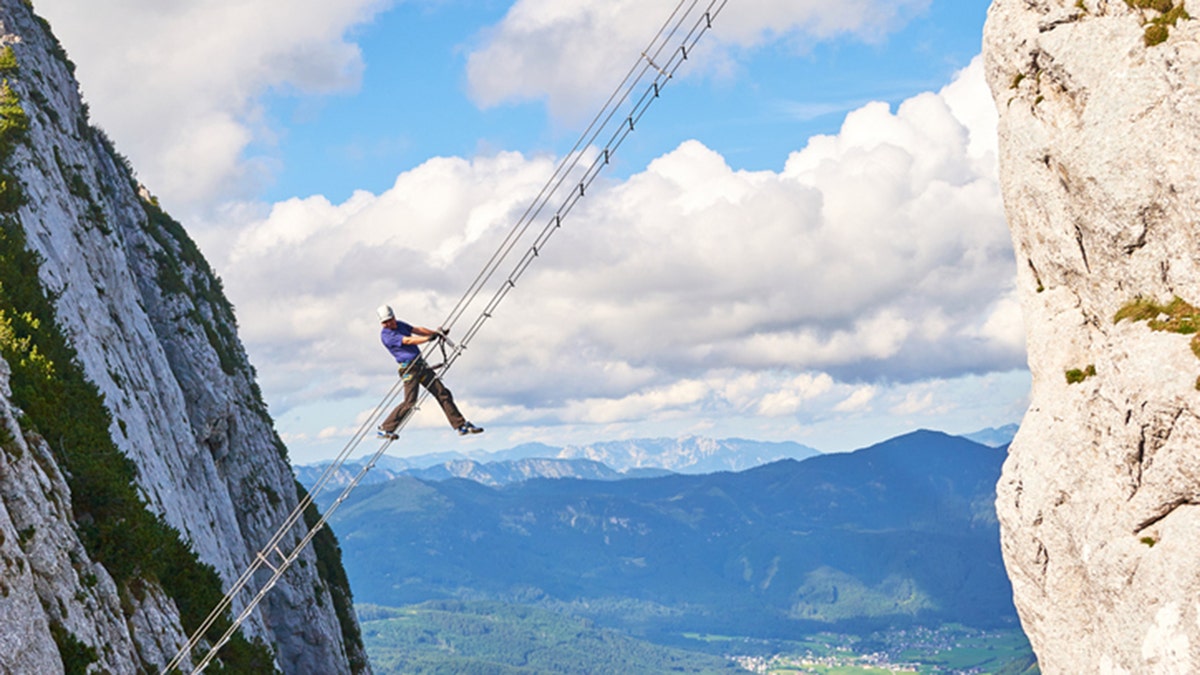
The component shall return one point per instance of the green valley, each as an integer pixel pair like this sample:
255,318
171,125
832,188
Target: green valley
893,550
488,637
505,639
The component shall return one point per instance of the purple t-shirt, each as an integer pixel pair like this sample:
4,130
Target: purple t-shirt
392,339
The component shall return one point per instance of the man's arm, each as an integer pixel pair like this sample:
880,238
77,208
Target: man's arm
420,335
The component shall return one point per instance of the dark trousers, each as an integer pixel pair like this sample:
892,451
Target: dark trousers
419,373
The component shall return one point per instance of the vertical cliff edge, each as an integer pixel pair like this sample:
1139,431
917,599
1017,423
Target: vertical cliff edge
139,469
1099,502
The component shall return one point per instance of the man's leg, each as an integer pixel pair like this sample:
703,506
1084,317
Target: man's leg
410,399
443,396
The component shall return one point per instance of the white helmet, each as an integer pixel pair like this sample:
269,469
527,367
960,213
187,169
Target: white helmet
385,313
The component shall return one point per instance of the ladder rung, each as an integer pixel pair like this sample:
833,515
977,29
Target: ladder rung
266,562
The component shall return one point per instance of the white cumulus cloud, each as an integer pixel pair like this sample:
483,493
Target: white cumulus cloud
177,83
877,255
568,54
874,271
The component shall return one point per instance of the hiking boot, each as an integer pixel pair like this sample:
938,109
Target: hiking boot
469,428
388,435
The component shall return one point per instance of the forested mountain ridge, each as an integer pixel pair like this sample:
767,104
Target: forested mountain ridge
899,532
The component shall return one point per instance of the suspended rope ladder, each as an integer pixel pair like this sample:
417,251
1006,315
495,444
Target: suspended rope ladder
569,183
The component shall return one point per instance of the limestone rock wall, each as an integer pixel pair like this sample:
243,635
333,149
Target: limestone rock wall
1099,502
154,332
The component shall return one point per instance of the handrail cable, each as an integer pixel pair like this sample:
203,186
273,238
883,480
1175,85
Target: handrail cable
568,162
649,61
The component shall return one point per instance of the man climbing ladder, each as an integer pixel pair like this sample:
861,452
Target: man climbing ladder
403,341
668,50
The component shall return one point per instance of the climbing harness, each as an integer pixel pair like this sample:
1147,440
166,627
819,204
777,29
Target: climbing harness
653,69
442,343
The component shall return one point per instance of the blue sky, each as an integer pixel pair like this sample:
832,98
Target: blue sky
412,103
803,240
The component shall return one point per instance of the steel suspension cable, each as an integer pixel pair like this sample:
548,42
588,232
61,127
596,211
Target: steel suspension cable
650,64
663,73
566,164
272,545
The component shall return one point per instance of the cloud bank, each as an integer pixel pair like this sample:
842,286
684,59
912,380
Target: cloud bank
878,256
872,274
177,84
571,55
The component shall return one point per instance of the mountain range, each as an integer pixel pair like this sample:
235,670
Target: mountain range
994,436
611,460
900,532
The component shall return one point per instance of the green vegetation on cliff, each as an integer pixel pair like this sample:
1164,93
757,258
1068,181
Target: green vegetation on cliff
331,572
1077,375
1158,29
61,405
1177,316
65,409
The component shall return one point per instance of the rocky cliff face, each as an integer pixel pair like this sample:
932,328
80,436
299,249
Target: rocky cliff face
134,440
1099,502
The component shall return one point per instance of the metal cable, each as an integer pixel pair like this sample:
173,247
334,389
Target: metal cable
664,73
650,60
568,162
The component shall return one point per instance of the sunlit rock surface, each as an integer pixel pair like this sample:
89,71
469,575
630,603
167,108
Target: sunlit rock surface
154,333
1099,501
